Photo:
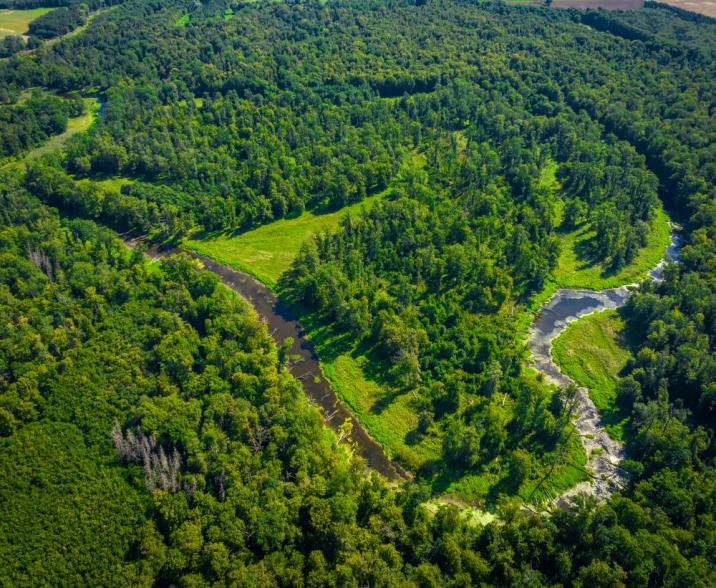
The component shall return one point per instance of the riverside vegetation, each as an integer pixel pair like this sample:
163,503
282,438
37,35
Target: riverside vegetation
413,178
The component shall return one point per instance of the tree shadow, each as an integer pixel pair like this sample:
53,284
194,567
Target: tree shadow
586,252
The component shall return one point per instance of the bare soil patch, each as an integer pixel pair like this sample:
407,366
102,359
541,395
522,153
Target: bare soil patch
705,7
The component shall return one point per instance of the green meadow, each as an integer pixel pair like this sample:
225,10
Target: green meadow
593,352
267,251
16,22
576,267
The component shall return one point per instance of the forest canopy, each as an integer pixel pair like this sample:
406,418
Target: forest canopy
150,431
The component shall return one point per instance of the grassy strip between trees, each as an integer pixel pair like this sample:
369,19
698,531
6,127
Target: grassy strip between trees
75,125
267,251
575,269
16,22
592,351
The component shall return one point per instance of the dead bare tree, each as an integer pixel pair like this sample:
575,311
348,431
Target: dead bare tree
160,470
42,262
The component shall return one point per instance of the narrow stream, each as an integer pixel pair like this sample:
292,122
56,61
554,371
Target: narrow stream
566,306
306,369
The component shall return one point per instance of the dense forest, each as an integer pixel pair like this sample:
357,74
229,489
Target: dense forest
147,405
26,125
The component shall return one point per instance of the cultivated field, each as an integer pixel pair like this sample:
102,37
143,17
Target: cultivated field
15,22
705,7
606,4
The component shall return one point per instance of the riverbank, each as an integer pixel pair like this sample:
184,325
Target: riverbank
304,365
566,306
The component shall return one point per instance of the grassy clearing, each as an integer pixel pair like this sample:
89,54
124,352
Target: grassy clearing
16,22
475,517
110,184
182,21
75,125
575,266
575,269
267,251
592,351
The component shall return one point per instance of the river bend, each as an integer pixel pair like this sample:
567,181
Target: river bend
304,365
604,454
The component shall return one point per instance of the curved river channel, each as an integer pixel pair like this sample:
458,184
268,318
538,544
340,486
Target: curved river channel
306,369
567,305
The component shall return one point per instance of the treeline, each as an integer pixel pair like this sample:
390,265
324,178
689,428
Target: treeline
30,123
124,211
12,44
247,155
59,21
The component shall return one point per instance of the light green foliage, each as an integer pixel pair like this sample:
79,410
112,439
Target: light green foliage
266,252
15,22
592,351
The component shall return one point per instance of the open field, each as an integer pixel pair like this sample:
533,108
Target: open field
15,22
606,4
705,7
584,4
592,352
267,251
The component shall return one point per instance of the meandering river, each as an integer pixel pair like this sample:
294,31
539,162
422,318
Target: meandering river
567,305
282,324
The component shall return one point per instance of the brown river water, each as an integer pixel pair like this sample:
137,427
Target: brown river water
566,306
305,368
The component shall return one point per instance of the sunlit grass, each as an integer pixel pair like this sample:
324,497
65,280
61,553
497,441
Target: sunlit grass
267,251
55,143
16,22
592,353
575,267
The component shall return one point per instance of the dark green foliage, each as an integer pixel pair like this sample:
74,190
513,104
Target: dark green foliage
58,22
288,106
32,122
